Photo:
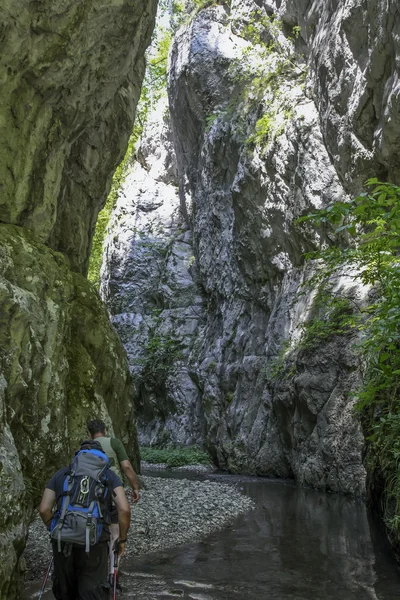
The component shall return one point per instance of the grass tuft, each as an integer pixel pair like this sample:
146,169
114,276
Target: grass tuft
175,457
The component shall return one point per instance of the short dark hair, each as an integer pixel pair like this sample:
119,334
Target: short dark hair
96,426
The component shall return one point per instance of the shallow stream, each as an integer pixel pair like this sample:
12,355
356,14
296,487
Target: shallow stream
298,544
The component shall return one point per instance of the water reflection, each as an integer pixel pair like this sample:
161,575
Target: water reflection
298,544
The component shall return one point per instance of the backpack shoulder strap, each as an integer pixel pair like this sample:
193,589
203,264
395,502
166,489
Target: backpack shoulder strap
89,525
68,484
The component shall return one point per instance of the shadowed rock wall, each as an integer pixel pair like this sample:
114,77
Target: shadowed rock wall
71,77
70,80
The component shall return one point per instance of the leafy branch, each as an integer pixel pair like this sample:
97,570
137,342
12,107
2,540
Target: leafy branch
367,245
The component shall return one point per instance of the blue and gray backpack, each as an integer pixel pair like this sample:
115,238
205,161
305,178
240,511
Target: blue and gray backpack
80,519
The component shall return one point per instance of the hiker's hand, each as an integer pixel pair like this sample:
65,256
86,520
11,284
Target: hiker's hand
135,495
121,549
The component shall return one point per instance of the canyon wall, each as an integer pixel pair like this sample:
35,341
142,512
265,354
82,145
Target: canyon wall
149,284
276,108
70,80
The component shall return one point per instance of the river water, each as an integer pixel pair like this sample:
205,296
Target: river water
298,544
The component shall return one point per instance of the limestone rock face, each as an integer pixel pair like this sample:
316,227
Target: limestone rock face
246,194
70,81
353,50
62,363
70,77
270,118
247,191
149,286
14,512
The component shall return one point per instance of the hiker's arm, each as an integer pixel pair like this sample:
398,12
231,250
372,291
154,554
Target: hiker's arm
124,515
46,506
127,468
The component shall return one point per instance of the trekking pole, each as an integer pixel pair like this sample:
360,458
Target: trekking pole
116,546
46,578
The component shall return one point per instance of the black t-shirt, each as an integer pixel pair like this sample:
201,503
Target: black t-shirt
56,484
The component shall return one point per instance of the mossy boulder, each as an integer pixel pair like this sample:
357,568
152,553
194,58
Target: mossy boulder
61,363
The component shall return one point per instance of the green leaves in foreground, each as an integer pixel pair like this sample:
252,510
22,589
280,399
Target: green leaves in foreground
367,247
175,457
370,254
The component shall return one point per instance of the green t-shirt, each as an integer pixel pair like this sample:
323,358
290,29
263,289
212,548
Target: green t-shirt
115,451
119,449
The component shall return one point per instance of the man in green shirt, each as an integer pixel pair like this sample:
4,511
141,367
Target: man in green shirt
78,573
119,463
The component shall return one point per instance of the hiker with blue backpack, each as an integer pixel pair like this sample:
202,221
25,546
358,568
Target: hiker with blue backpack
120,464
79,526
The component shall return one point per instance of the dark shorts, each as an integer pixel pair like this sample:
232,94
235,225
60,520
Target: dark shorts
81,576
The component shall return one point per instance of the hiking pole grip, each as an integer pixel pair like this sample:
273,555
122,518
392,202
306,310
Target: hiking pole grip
117,544
116,547
46,578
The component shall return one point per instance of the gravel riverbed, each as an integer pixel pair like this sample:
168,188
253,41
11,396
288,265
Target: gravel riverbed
170,512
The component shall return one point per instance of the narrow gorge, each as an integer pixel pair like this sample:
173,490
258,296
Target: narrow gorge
275,110
202,330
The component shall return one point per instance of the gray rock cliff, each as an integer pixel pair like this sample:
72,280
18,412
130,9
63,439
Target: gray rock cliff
276,108
149,285
247,190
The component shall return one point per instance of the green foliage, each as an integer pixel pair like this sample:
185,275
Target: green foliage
265,74
200,4
161,353
210,120
175,457
153,88
96,255
270,125
296,31
259,23
367,247
195,6
263,129
182,12
277,366
336,317
154,85
271,55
